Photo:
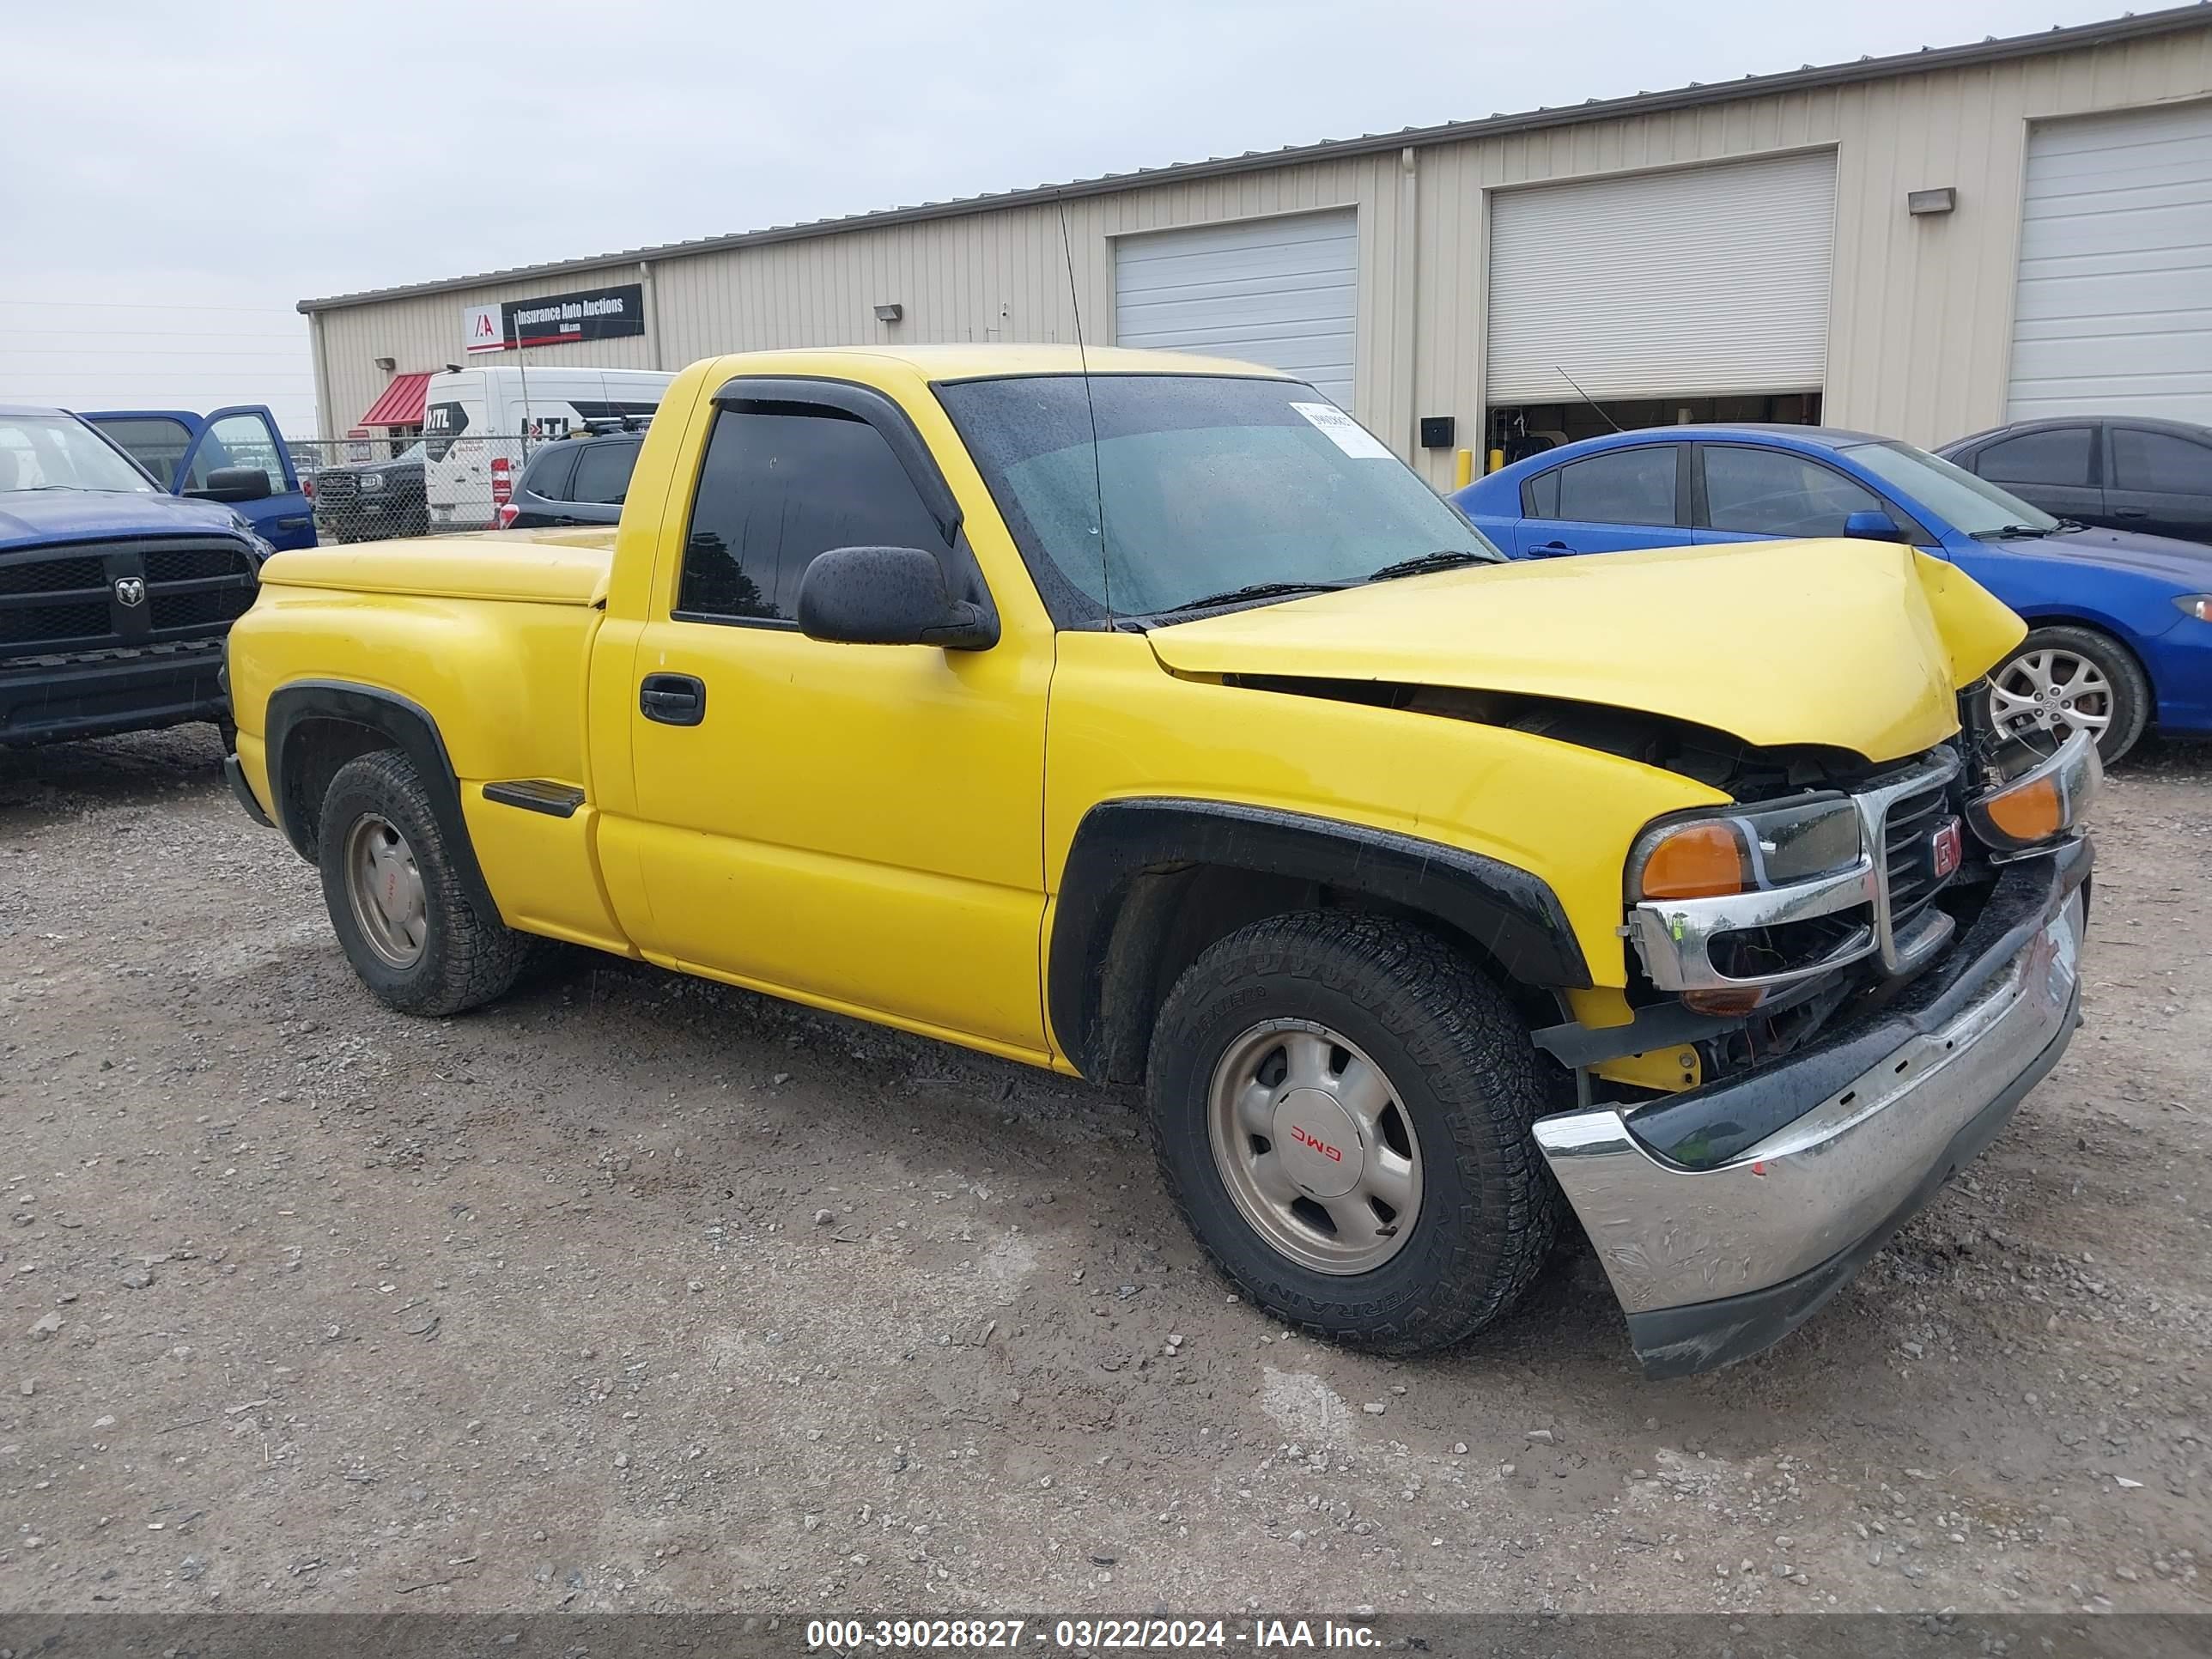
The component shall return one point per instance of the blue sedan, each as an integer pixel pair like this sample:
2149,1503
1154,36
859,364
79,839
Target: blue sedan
2120,623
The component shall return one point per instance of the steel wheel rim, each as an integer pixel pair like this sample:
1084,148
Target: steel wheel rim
2051,690
384,887
1317,1151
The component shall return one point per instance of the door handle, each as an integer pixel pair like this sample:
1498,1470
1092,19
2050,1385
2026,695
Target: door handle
673,699
2131,513
1550,549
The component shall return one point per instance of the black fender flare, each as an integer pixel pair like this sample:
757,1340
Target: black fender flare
411,731
1513,915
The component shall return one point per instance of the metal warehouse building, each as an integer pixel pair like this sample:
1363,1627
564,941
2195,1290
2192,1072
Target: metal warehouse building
1921,245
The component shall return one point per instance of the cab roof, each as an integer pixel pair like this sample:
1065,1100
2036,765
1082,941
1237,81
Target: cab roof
990,359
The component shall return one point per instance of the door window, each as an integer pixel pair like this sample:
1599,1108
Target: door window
2057,459
778,487
602,473
1765,492
1623,486
156,444
2159,461
238,440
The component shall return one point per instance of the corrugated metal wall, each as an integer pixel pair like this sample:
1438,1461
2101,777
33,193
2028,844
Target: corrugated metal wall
1921,314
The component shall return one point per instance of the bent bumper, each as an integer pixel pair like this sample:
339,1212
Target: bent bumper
1849,1139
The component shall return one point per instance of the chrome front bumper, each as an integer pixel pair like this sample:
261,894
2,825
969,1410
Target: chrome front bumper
1714,1263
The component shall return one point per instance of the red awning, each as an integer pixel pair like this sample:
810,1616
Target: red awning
401,403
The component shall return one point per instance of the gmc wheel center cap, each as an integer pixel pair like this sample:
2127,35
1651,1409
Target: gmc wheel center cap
1318,1143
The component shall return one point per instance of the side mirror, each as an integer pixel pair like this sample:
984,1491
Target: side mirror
1873,526
889,596
234,484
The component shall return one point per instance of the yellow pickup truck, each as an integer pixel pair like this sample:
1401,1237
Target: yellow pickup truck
1142,717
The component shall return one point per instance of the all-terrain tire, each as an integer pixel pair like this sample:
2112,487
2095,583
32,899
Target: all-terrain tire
468,956
1460,1064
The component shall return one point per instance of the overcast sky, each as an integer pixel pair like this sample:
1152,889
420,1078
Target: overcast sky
177,177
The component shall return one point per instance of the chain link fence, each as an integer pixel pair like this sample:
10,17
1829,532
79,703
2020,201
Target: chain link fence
374,489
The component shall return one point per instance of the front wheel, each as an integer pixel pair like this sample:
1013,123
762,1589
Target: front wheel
2062,680
1341,1106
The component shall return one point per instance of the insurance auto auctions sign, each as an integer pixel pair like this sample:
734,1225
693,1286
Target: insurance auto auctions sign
598,313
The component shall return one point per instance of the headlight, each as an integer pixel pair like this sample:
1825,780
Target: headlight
1739,852
2026,813
372,481
2198,605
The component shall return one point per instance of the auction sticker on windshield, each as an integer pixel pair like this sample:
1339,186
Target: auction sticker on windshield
1340,430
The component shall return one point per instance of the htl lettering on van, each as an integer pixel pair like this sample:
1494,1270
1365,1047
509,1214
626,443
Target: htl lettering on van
474,416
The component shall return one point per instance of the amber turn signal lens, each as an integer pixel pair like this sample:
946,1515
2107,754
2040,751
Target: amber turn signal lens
1698,860
2034,812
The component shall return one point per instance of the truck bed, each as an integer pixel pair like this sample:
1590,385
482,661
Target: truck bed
564,566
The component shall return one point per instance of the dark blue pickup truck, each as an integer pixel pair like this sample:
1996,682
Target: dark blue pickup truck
184,453
114,597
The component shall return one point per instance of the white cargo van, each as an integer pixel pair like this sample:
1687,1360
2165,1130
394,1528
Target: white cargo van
480,423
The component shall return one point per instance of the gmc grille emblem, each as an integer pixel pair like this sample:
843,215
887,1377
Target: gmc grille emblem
130,591
1946,848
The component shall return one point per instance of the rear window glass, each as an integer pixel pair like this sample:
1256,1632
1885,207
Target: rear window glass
2059,458
602,473
547,475
1624,486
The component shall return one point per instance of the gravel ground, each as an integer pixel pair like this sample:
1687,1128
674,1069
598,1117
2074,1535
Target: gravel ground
637,1292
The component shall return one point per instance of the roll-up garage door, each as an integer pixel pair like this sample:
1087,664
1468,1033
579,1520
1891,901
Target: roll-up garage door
1703,282
2114,307
1280,291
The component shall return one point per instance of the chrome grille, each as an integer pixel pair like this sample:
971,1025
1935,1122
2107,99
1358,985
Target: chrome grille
1908,866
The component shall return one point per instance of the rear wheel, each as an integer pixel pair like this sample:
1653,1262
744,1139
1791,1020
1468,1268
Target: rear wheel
406,919
2062,680
1340,1105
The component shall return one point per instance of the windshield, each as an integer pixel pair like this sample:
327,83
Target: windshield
1208,485
1951,493
53,452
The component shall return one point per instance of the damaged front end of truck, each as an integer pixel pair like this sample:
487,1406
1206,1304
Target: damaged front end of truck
1857,984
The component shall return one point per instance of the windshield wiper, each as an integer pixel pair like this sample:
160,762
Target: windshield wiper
2009,531
1252,590
1450,559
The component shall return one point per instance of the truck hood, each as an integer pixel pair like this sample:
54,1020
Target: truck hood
567,565
1860,645
42,517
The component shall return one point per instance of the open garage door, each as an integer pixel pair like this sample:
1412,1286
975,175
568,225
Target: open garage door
1664,289
1280,291
2113,311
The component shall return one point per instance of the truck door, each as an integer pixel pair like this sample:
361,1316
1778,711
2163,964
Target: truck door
246,437
859,826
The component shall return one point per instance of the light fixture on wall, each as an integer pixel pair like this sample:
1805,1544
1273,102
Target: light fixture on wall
1939,200
387,364
890,313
